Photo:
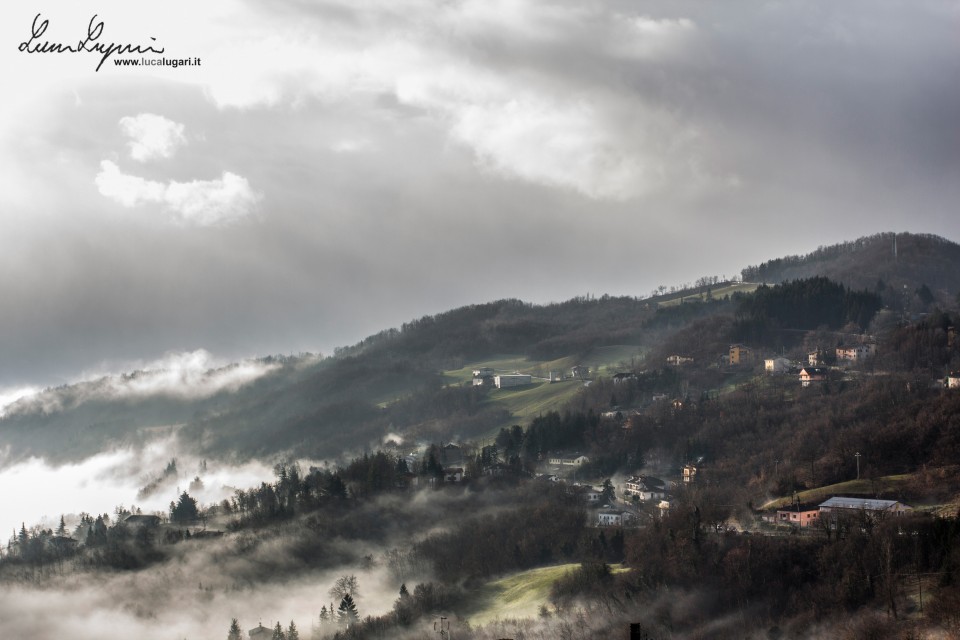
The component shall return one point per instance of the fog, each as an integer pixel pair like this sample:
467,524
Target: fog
192,596
36,492
187,375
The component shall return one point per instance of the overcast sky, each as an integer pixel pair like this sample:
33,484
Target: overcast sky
333,168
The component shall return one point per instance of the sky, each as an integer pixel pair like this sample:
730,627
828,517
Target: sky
333,168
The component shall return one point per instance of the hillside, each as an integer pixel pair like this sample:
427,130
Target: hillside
892,264
415,380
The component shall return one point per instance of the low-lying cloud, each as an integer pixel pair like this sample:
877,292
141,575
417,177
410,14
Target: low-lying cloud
37,492
189,375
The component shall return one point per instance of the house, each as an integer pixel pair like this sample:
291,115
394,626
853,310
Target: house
740,354
260,633
451,455
497,470
815,358
953,380
453,474
580,371
482,377
588,494
809,375
664,507
644,487
801,516
138,520
512,380
689,472
61,544
678,360
776,365
870,506
620,378
615,518
572,460
856,353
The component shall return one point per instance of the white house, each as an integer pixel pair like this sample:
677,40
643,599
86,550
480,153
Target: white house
613,518
512,380
572,460
953,380
645,487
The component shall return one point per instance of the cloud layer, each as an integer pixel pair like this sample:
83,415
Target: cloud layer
332,168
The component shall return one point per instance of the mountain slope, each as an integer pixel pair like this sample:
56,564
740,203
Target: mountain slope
902,261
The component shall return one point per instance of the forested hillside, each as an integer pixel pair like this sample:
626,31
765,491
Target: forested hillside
895,265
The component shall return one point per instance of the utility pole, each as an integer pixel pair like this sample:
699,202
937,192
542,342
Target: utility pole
857,456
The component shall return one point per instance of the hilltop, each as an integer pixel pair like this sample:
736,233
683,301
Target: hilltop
893,264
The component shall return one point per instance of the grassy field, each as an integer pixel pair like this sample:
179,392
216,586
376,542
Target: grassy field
516,596
741,287
529,401
519,595
851,487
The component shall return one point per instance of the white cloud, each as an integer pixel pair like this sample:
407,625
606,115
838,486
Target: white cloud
152,136
199,202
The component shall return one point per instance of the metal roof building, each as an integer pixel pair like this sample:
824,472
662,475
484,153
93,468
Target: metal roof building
864,504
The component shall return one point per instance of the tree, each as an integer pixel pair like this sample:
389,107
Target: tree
278,633
345,586
185,511
292,633
347,613
324,616
234,633
62,527
608,491
403,591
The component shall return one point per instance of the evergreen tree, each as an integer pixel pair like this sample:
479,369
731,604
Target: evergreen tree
234,633
324,616
62,527
185,511
403,591
347,613
292,633
278,633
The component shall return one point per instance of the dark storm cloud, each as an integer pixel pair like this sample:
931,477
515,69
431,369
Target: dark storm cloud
398,158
